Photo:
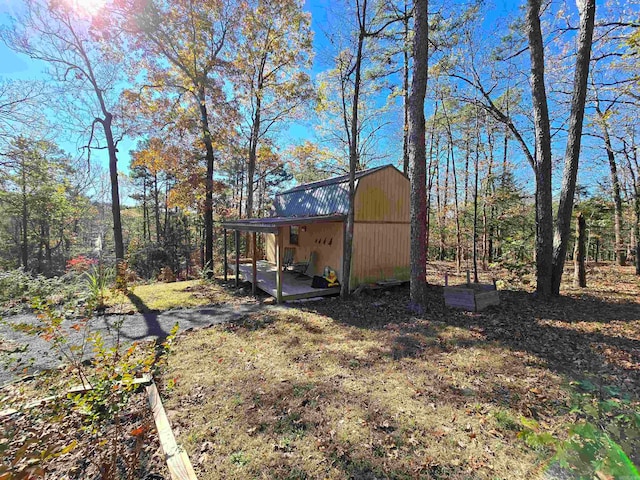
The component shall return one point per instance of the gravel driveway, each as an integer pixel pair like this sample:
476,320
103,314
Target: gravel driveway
136,327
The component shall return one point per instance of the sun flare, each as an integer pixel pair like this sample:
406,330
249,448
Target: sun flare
88,7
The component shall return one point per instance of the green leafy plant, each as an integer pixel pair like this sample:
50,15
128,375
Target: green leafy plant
607,424
109,380
98,281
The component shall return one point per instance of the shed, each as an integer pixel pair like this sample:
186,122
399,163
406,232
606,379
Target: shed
308,221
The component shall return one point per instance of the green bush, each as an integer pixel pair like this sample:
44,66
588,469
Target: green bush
18,289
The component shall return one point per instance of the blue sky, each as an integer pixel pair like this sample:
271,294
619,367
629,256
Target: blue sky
18,67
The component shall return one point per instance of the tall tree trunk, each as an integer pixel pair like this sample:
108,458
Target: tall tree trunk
253,152
418,154
405,93
145,213
208,204
632,153
579,252
432,170
544,208
476,165
615,187
25,216
156,206
572,153
455,190
115,191
353,156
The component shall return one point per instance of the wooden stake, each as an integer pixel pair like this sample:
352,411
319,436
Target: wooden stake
237,235
226,260
177,459
279,245
254,254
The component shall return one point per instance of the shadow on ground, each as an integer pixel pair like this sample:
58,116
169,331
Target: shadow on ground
579,337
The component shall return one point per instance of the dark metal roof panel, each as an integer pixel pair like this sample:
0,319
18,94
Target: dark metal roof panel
334,180
325,197
325,200
271,224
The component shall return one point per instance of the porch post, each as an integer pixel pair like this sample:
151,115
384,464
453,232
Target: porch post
279,265
237,234
226,261
254,254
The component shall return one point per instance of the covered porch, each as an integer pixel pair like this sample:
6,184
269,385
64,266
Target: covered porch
294,286
270,276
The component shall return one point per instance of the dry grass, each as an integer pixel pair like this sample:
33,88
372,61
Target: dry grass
366,389
158,297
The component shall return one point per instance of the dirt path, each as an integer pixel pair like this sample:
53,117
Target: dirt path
136,327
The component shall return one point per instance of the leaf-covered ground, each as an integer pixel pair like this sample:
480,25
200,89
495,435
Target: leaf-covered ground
370,388
52,440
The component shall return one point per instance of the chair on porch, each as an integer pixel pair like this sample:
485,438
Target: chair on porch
287,258
305,268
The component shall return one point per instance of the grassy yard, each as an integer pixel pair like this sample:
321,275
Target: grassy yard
366,388
158,297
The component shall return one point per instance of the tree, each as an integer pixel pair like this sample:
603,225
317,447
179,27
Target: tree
36,192
550,254
579,253
371,21
69,39
587,10
271,61
417,153
308,162
192,39
18,108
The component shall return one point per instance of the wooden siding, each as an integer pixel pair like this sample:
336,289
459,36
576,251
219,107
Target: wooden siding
383,196
316,238
380,251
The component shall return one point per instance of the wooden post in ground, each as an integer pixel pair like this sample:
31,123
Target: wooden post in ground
279,265
579,253
226,261
254,254
237,235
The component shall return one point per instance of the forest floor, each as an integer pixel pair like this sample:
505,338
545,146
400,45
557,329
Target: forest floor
370,388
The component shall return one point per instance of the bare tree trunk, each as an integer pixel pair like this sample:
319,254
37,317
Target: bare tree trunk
542,165
579,252
253,148
115,191
486,240
572,153
476,164
208,204
455,190
25,216
615,184
432,169
353,157
417,154
405,93
635,179
156,206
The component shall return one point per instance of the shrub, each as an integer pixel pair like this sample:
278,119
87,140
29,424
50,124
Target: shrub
81,264
110,377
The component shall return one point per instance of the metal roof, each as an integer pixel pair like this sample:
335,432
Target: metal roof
325,197
272,224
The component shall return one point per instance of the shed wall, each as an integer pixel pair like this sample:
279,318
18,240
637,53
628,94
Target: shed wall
380,251
383,196
316,238
381,235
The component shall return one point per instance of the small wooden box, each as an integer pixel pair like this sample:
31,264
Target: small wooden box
473,297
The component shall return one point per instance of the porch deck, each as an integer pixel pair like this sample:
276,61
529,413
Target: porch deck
294,287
